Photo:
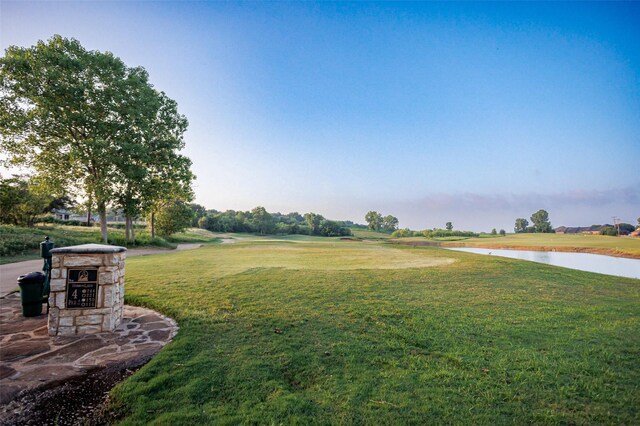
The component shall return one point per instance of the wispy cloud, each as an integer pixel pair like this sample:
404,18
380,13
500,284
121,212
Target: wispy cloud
484,211
628,195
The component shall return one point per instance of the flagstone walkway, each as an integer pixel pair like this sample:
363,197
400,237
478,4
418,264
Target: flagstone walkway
32,361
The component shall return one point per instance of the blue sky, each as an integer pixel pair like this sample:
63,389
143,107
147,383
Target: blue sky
475,113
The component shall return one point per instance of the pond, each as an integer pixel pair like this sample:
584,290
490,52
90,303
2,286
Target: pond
609,265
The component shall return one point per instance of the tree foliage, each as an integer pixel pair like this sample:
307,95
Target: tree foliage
521,225
84,121
449,226
22,201
313,222
626,228
374,220
433,233
541,223
199,212
405,233
620,229
260,221
389,223
173,218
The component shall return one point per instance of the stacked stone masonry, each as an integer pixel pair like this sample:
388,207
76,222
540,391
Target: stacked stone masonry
107,314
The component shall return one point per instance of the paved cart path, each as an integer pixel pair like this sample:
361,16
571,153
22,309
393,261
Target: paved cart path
10,272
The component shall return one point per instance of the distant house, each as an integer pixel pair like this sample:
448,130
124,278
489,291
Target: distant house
61,214
65,215
635,233
593,229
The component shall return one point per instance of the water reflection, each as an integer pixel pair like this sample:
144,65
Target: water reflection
609,265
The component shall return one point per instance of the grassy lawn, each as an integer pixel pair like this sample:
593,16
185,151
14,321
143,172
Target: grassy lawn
338,332
369,234
18,244
595,243
193,236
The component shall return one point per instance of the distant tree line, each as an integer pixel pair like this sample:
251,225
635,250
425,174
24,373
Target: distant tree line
441,233
612,231
260,221
433,233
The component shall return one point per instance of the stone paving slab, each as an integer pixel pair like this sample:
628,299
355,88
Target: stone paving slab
30,359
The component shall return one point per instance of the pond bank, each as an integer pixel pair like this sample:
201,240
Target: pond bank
589,262
592,250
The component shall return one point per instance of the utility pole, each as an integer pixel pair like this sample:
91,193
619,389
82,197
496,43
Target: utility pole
616,223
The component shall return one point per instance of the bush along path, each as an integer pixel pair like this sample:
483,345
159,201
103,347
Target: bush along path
25,242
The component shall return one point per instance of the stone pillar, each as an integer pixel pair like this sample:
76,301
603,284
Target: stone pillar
87,289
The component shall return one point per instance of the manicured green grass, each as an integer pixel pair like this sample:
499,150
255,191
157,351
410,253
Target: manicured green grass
596,243
339,332
369,234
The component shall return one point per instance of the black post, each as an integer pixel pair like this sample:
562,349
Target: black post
45,251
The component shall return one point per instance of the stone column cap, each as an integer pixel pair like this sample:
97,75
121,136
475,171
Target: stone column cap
89,248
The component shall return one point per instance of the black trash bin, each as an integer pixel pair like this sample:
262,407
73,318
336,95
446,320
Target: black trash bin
31,293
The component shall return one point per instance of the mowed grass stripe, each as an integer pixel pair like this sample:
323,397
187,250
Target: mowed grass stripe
480,340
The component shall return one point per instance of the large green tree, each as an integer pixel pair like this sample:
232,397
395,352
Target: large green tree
262,220
521,225
199,211
173,218
540,220
374,220
151,174
390,223
84,120
313,221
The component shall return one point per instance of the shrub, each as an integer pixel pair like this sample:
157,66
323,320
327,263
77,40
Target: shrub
442,233
609,230
402,233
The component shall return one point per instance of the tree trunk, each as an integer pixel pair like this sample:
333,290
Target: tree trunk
127,227
153,225
102,211
133,232
89,212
